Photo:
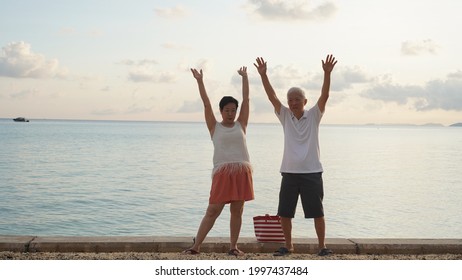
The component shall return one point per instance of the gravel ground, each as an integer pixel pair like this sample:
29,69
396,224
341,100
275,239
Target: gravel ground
213,256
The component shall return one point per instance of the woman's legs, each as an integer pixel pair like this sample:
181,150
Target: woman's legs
212,213
236,209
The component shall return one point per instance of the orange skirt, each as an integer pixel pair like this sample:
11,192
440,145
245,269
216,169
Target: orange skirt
232,184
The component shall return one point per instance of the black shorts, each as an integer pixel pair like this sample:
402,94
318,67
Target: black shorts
310,188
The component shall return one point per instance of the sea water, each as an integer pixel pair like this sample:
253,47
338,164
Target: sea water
114,178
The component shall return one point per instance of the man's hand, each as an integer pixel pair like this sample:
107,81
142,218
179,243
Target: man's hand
328,66
261,66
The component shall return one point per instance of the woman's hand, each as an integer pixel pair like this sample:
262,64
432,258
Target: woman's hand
242,71
198,75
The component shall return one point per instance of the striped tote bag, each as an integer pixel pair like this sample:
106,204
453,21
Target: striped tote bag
268,229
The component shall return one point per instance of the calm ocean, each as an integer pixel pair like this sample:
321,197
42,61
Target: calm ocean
110,178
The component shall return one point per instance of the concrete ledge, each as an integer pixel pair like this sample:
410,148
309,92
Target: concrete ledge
14,243
109,244
92,244
408,246
249,244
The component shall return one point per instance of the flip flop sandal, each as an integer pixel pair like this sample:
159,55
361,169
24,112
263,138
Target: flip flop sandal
235,252
324,252
190,252
283,251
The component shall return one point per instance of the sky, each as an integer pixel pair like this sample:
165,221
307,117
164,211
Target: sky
398,61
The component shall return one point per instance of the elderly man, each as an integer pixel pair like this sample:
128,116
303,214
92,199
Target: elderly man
301,168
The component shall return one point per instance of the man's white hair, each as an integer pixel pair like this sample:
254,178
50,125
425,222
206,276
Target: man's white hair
296,90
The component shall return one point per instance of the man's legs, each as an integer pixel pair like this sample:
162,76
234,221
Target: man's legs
286,224
288,197
320,226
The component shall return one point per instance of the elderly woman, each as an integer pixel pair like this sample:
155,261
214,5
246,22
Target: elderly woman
232,173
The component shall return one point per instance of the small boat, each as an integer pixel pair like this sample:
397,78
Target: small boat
20,119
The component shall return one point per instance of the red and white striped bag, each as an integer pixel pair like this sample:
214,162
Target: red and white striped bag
268,229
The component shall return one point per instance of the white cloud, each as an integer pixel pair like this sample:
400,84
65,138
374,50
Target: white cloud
142,71
24,93
203,64
18,61
446,95
435,94
171,13
284,77
142,62
419,47
342,78
145,75
136,109
105,112
166,77
292,10
455,75
67,31
173,46
262,105
389,92
191,106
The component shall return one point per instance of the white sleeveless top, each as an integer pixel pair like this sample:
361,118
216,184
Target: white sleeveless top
230,148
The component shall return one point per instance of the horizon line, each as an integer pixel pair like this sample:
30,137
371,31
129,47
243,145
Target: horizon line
177,121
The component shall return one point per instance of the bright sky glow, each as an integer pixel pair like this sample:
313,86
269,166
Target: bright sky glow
399,61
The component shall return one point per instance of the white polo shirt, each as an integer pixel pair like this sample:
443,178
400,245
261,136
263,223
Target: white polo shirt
301,141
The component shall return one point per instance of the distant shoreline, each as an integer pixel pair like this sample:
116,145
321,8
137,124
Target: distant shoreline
458,124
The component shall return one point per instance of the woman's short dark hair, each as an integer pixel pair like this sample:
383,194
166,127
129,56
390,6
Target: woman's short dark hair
226,100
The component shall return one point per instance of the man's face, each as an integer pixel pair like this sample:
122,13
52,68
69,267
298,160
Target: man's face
296,102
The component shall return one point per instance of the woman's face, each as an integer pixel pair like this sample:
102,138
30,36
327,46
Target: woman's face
229,113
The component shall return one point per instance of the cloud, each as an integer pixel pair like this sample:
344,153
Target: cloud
24,93
446,95
419,47
345,78
171,13
203,64
191,106
142,71
18,61
261,105
283,77
131,110
105,112
173,46
142,62
136,109
145,75
455,75
388,92
67,31
292,10
436,94
95,33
